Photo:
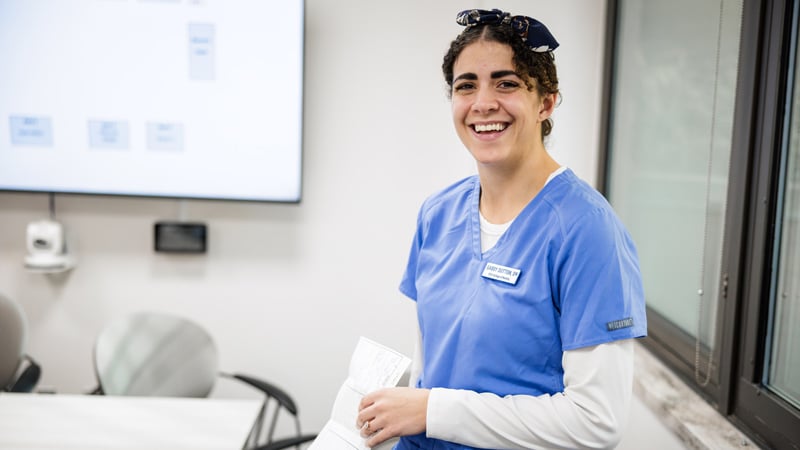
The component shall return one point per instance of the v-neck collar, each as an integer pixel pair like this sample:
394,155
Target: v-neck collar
475,215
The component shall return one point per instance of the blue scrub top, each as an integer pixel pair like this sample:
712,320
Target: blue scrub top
578,284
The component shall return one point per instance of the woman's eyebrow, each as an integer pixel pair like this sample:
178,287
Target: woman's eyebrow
495,75
504,73
466,76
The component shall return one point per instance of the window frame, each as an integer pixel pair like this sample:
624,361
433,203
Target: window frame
735,388
756,407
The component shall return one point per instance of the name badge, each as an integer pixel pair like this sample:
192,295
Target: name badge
501,273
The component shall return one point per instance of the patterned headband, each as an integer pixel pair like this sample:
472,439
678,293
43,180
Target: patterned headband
533,33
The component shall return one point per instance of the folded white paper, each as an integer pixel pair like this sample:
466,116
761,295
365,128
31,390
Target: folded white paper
373,366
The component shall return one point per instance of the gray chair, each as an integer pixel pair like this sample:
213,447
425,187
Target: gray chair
156,354
18,371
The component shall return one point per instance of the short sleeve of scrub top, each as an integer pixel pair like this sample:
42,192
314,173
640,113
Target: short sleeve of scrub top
598,290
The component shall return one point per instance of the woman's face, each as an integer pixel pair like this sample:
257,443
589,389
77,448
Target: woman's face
497,118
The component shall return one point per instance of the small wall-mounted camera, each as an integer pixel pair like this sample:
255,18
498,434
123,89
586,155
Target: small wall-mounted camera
47,246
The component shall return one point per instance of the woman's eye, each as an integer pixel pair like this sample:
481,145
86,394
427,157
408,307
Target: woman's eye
508,84
463,87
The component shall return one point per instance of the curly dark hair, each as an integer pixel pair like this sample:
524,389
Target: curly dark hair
540,67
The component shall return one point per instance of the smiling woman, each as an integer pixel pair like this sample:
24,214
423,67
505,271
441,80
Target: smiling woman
526,283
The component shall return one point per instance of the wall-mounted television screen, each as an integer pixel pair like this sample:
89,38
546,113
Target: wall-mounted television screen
162,98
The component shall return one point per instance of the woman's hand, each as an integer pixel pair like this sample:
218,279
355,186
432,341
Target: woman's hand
392,412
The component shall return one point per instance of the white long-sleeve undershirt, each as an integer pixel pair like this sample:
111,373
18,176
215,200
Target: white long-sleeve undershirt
590,413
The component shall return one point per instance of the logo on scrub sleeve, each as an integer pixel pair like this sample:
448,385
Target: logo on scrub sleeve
620,324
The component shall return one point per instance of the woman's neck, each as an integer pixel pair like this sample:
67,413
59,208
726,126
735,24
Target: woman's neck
505,192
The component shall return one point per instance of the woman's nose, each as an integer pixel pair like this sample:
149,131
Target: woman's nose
485,102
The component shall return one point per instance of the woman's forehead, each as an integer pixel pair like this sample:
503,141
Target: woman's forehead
485,54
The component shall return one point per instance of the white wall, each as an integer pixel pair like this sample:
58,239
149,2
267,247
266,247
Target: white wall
287,289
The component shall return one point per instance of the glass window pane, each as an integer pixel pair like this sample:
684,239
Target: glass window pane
784,370
674,89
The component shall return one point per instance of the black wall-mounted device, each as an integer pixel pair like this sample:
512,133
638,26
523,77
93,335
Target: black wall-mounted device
180,237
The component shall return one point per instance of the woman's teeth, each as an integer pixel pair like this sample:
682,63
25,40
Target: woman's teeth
480,128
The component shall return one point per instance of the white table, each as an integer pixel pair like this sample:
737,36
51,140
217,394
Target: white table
57,421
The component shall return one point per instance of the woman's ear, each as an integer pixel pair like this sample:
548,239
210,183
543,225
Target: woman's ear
547,106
